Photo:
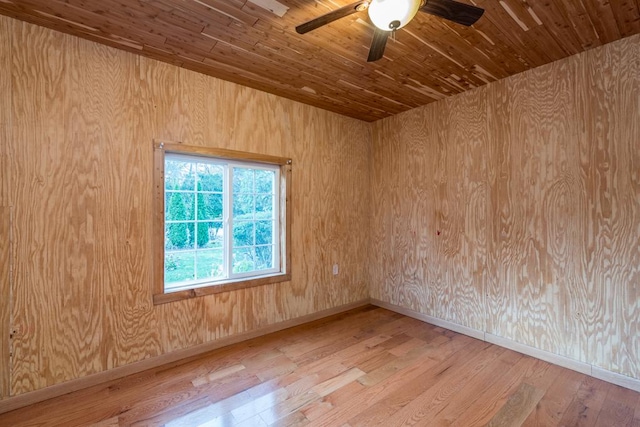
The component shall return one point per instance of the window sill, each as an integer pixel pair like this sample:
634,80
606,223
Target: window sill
219,287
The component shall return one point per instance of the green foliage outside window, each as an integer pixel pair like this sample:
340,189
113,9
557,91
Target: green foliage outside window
177,233
194,233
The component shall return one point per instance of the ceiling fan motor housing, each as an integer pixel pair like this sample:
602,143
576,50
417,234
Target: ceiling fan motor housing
390,15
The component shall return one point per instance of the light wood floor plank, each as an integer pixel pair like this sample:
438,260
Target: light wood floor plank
586,404
446,410
518,407
482,410
365,367
434,393
557,399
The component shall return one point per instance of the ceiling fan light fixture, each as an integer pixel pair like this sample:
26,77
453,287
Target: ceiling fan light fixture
389,15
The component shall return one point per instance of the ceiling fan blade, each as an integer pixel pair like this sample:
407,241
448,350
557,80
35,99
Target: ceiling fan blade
452,10
331,16
378,44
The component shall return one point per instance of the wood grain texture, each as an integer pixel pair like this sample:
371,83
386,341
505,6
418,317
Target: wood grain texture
178,147
558,397
586,403
518,407
430,210
172,358
537,208
5,211
532,183
5,113
290,378
32,315
84,118
5,297
429,59
610,169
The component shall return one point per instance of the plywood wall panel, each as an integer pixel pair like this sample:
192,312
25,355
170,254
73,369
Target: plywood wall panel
417,253
610,165
5,111
178,99
5,210
532,183
629,136
332,214
462,209
5,297
38,81
538,203
81,168
430,205
397,157
178,102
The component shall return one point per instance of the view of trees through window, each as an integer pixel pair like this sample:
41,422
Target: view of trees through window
199,245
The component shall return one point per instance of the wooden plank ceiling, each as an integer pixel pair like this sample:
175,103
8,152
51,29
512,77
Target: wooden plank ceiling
244,42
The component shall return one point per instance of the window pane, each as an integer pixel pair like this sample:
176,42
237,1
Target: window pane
210,177
242,180
216,234
264,257
210,234
179,175
179,235
243,260
209,206
209,264
264,204
264,181
264,232
178,267
202,234
179,206
243,232
243,204
200,248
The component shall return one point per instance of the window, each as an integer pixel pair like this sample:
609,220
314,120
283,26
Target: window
220,220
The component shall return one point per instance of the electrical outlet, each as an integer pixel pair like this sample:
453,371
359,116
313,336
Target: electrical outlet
335,269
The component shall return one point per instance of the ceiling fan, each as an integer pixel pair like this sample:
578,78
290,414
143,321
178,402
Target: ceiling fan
391,15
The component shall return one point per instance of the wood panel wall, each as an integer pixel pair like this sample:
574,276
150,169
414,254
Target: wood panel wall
430,200
5,211
5,297
80,170
519,204
512,209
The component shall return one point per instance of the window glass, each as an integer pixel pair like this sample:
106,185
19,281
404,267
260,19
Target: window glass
221,220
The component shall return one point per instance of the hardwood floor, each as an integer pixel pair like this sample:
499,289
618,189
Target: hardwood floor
366,367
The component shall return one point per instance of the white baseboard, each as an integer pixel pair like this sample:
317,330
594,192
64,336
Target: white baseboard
556,359
26,399
615,378
464,330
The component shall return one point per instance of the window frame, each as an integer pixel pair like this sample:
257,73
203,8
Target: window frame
160,149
